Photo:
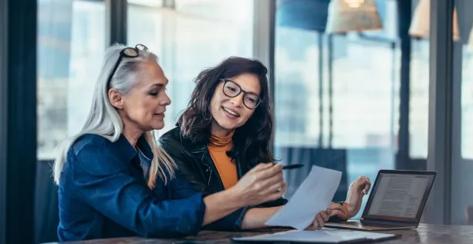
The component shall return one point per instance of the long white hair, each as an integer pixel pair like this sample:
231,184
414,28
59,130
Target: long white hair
104,120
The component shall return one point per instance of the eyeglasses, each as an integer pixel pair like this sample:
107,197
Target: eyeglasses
232,89
127,52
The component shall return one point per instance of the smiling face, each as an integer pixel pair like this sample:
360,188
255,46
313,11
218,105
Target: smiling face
142,108
230,113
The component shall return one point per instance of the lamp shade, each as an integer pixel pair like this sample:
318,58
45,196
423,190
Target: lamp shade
352,15
420,25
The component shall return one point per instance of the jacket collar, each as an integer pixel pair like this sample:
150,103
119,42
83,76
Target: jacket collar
123,147
194,148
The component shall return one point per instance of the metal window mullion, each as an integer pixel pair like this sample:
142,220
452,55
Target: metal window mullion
405,18
18,119
264,12
264,35
440,110
320,69
116,21
3,117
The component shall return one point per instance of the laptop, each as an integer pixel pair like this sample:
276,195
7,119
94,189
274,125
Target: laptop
397,201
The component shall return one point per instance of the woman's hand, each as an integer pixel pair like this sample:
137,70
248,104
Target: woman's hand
352,204
319,220
261,184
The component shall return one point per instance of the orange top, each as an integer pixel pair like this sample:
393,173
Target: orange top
226,167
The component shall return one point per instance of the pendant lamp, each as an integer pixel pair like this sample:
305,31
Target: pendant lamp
352,15
420,25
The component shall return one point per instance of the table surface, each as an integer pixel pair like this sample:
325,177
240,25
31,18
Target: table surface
425,233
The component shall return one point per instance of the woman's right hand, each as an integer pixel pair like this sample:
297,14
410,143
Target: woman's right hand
263,183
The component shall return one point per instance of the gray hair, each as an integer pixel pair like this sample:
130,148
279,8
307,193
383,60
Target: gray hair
104,120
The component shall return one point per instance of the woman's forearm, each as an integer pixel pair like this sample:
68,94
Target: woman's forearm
256,217
221,204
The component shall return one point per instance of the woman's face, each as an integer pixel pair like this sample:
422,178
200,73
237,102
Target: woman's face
230,113
144,105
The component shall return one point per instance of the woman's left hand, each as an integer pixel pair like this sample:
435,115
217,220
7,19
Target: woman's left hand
319,220
352,204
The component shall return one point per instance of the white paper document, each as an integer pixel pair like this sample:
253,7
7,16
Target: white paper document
319,236
313,196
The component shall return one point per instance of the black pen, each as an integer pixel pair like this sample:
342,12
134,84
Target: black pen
292,166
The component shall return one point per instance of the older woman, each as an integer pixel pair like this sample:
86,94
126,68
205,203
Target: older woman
115,181
225,132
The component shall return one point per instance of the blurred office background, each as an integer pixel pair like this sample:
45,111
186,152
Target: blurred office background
356,100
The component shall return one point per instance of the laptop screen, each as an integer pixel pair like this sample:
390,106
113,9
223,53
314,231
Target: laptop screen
399,195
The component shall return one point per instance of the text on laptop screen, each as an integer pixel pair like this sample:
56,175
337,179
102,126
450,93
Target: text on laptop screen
399,195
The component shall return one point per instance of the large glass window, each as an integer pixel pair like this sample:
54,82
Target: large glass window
70,52
188,37
467,99
419,98
337,95
419,79
462,145
366,102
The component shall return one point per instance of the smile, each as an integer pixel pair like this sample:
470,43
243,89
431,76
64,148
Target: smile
231,112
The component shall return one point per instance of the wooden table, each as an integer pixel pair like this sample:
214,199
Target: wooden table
425,233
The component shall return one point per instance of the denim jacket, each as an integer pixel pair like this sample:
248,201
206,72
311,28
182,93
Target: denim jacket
103,193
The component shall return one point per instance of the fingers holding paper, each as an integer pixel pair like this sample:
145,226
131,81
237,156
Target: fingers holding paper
339,210
319,221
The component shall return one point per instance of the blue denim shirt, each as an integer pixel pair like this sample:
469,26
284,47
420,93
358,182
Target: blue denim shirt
103,193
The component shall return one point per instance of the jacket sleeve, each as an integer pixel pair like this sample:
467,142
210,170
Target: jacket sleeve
108,187
180,188
171,143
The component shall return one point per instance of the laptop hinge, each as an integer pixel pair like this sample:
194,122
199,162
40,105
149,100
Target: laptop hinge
385,222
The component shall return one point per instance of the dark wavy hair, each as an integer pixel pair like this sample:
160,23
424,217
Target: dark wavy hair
250,141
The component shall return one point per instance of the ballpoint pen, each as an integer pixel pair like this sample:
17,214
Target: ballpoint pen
292,166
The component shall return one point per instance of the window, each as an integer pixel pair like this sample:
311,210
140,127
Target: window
187,39
467,100
71,41
462,132
336,94
419,98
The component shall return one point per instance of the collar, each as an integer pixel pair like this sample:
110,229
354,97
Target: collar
221,143
127,151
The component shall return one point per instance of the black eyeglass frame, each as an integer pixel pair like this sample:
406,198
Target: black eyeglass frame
127,52
226,80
